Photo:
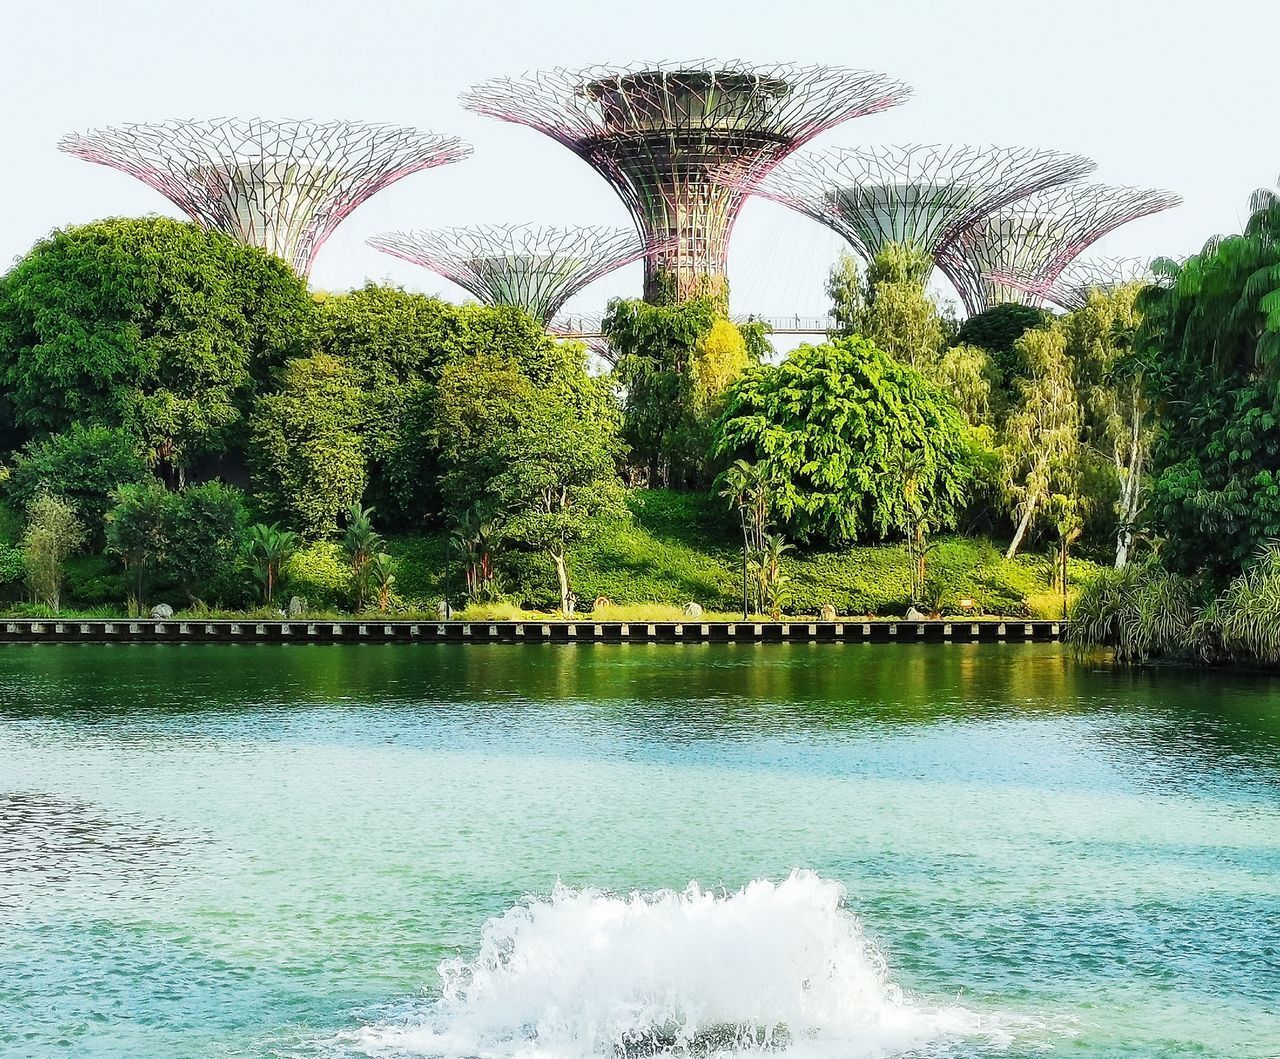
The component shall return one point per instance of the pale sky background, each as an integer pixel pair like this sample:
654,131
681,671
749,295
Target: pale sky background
1181,94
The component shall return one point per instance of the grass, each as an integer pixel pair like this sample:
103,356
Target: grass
679,548
674,549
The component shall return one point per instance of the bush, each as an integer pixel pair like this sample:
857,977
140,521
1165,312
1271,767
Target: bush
12,570
94,580
320,573
84,466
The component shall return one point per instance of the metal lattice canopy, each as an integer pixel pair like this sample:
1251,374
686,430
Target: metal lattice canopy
536,269
1070,290
280,185
923,196
1017,253
684,144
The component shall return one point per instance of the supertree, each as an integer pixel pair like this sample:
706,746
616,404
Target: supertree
684,144
922,196
536,269
1070,290
1016,253
281,185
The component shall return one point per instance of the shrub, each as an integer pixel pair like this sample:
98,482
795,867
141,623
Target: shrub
84,466
320,573
53,533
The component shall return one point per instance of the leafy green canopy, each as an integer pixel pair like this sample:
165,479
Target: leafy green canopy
997,331
833,424
306,450
84,466
675,362
157,326
539,454
398,344
1209,338
180,544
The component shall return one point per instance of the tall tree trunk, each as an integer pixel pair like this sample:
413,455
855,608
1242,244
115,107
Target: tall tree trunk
1028,512
562,575
1130,495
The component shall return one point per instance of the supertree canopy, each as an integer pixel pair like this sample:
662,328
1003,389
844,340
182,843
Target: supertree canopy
1019,252
281,185
684,144
1070,290
923,196
536,269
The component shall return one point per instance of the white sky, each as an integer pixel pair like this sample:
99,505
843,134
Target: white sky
1180,94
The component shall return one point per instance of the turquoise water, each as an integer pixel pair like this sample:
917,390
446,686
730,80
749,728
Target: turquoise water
963,851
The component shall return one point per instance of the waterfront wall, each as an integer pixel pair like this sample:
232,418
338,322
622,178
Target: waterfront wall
368,631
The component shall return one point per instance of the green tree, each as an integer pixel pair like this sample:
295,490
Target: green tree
1215,452
139,533
1040,442
306,450
559,481
361,544
1117,415
997,331
53,533
267,549
159,327
84,465
749,489
828,424
185,542
674,363
844,288
399,344
898,314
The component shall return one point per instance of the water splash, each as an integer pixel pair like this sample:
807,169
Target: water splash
585,974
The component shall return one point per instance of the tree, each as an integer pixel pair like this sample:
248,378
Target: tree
997,331
399,344
267,549
1204,345
138,531
558,482
53,533
361,544
306,450
474,537
748,487
898,315
186,541
844,288
971,378
382,578
1117,416
1040,442
828,424
674,363
162,328
84,465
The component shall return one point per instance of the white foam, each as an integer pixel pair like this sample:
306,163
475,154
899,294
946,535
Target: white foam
586,974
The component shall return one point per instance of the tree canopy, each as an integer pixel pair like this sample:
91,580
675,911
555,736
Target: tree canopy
159,327
830,424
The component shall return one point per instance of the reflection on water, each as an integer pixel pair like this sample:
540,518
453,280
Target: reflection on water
244,851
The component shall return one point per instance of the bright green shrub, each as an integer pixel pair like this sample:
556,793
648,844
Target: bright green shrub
320,574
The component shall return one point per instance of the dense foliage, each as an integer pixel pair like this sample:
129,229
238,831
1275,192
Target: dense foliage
834,424
163,329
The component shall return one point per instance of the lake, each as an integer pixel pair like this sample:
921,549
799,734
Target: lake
554,852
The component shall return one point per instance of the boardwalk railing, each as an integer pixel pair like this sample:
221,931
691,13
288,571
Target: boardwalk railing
372,631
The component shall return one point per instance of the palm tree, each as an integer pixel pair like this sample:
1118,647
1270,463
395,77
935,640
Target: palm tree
382,573
361,542
268,548
771,576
